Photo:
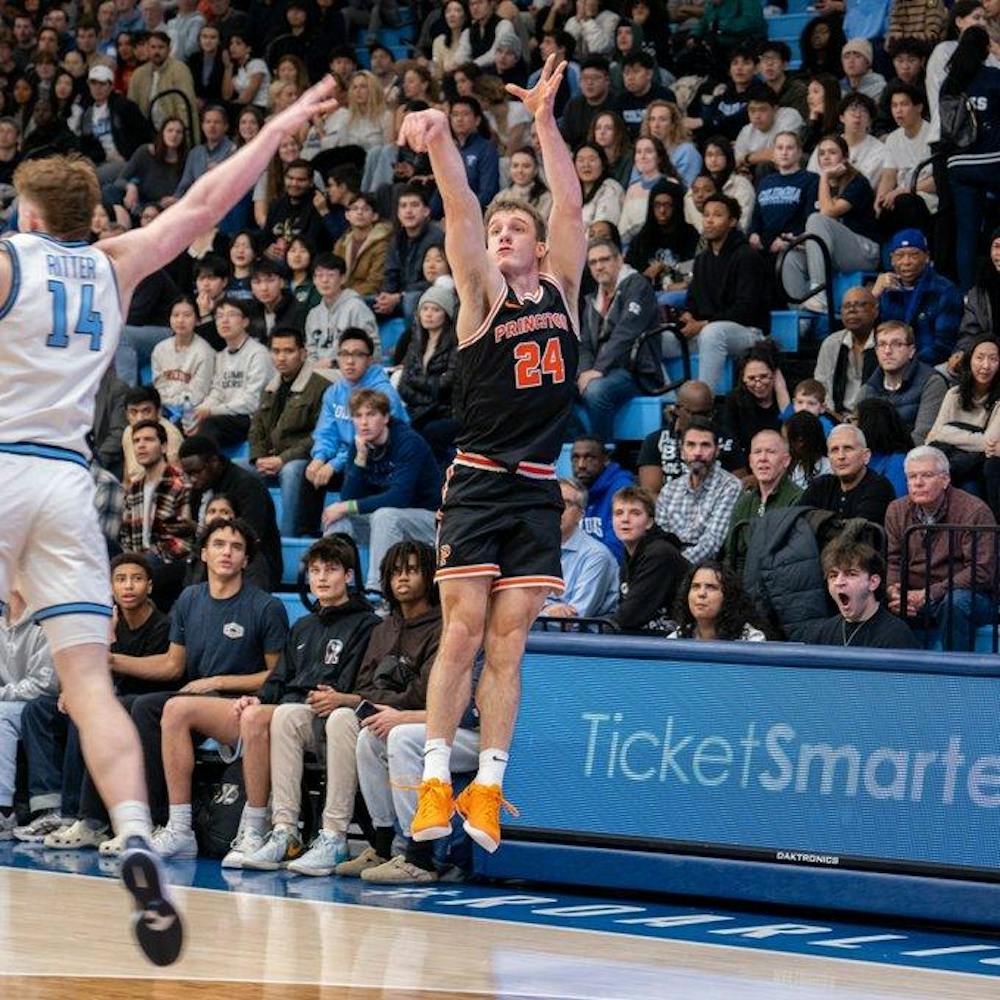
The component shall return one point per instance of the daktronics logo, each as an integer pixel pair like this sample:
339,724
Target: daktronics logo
776,758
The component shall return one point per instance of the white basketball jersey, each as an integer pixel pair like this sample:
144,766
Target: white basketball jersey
59,330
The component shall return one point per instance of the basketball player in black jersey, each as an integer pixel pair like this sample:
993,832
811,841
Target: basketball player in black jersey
498,537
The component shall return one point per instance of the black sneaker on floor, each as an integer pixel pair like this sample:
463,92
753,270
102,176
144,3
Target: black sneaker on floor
155,920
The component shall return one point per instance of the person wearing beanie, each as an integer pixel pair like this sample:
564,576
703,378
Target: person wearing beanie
429,368
914,293
508,61
856,58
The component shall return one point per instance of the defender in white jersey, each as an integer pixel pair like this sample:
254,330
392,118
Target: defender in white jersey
61,309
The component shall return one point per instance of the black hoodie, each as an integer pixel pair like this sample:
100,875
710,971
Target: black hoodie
648,582
398,660
728,285
323,648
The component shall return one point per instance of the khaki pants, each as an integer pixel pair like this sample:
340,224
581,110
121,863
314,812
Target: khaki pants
296,729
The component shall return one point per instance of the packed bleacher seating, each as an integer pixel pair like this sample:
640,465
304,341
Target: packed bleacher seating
788,420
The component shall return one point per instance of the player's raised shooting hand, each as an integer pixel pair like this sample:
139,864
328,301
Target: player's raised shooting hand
420,128
316,101
540,100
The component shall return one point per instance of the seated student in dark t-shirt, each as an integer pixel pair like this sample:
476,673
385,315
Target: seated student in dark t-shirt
852,489
854,574
140,629
225,639
660,453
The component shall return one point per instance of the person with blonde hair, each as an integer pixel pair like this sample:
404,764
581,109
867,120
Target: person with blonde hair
663,120
365,122
64,306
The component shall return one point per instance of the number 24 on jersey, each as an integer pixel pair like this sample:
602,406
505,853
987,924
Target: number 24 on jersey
534,362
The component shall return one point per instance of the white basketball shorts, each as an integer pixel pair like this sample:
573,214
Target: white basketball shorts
52,549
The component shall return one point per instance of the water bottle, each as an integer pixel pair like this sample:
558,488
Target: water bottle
187,415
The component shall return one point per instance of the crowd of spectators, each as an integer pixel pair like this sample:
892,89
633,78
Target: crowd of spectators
842,494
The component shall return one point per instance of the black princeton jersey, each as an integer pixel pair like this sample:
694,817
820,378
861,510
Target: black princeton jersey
516,380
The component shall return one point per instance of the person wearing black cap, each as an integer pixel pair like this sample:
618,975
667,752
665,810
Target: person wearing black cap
242,369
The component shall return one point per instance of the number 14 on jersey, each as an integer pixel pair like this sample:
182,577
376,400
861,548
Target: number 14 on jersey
88,322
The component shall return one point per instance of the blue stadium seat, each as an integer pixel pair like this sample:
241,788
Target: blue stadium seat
675,370
799,7
788,27
276,500
146,375
292,551
293,606
639,417
843,280
237,452
564,467
787,325
389,333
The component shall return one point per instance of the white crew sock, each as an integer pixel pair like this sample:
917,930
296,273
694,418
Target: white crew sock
492,765
131,819
437,761
180,818
255,818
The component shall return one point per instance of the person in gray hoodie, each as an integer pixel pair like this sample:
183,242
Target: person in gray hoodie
26,673
621,310
339,309
242,370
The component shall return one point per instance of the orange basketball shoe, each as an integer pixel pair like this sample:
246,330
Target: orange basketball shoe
480,805
435,808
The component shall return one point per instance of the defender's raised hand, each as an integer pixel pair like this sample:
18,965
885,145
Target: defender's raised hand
542,97
421,127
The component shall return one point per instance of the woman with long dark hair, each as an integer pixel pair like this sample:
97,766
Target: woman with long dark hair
972,170
807,445
720,165
967,428
964,14
845,222
888,440
667,241
153,172
602,194
758,398
713,605
526,181
982,304
609,131
820,44
823,101
428,373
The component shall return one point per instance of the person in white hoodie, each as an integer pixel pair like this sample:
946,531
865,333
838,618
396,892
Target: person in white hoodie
339,309
242,369
26,673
